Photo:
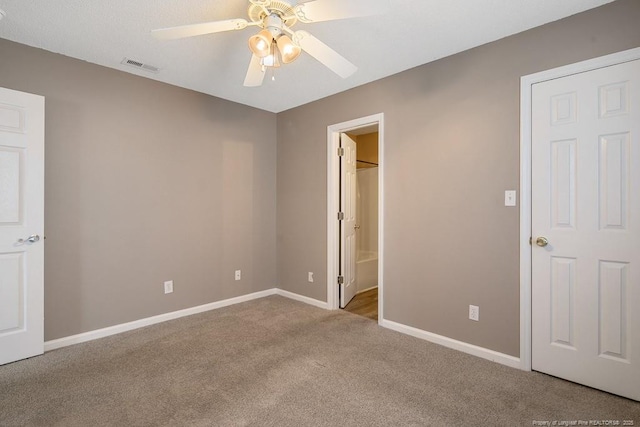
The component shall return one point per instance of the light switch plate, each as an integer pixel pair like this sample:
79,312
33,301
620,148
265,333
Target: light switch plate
510,198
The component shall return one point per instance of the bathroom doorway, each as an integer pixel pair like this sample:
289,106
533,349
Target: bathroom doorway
355,275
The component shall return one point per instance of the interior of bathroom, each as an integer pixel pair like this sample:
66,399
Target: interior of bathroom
365,303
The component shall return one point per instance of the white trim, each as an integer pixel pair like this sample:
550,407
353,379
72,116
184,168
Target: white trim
130,326
381,169
333,170
525,224
366,290
333,182
125,327
302,298
418,333
464,347
526,88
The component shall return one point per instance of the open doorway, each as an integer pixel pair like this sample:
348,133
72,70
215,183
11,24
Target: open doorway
355,206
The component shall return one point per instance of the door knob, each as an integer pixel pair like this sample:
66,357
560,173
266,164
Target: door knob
356,227
542,241
31,239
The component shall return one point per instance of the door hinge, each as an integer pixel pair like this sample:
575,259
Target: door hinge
530,241
340,280
340,151
340,216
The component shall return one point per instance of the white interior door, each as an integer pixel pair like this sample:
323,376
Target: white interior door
21,225
348,165
586,204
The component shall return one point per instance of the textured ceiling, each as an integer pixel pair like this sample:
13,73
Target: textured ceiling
412,33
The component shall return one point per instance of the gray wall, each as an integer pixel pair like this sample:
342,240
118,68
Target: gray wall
145,182
451,150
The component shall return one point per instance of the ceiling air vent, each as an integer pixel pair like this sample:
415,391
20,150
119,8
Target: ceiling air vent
140,65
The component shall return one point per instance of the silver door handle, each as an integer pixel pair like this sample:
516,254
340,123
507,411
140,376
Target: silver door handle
31,239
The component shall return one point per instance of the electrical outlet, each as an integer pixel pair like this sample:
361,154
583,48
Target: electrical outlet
474,312
238,274
168,286
310,277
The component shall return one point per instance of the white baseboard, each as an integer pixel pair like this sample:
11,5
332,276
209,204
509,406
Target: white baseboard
124,327
464,347
306,300
367,290
484,353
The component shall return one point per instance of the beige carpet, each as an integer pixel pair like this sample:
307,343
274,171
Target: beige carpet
276,362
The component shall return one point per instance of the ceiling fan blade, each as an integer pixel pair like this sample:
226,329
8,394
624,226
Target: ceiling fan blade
199,29
328,10
323,53
255,73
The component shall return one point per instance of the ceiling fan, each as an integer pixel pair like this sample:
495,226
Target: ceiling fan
276,42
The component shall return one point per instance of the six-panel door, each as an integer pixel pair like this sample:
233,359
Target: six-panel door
586,204
21,225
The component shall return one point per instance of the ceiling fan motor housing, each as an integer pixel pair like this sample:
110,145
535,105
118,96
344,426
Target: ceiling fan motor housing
273,23
283,9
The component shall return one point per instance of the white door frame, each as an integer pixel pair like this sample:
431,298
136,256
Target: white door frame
526,88
333,202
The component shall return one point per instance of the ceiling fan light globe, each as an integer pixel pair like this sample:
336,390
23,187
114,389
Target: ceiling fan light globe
260,44
269,61
289,51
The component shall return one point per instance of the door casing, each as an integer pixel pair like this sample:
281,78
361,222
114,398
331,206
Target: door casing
526,89
333,203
